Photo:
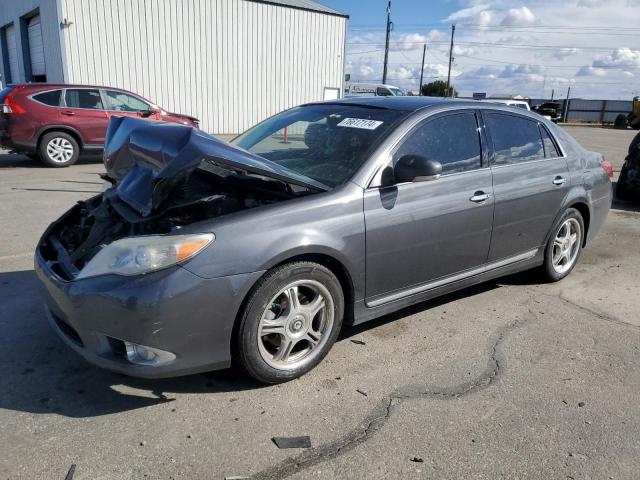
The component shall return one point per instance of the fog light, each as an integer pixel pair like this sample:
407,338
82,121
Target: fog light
141,355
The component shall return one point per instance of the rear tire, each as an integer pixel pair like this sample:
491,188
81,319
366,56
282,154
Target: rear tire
58,149
564,246
290,322
622,188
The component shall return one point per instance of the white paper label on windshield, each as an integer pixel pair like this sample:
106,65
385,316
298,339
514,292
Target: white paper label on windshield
360,123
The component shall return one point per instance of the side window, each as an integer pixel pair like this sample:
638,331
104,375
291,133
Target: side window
51,98
550,149
383,92
83,98
123,102
453,140
515,139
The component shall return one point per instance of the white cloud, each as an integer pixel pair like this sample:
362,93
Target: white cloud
588,71
519,16
620,57
565,52
589,3
466,13
366,72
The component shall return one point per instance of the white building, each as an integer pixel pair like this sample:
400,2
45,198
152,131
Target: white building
231,63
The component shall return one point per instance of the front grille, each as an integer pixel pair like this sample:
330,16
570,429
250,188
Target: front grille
68,330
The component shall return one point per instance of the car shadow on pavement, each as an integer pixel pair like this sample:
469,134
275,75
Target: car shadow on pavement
40,374
15,160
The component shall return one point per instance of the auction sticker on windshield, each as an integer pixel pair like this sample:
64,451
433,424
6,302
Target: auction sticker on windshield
360,123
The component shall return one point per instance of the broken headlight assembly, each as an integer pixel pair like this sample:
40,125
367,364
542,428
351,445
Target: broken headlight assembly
139,255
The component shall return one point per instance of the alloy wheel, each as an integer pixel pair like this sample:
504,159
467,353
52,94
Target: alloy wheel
59,150
566,245
295,325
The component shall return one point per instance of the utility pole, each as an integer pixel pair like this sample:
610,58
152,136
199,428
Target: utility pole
424,53
453,31
386,46
553,91
566,106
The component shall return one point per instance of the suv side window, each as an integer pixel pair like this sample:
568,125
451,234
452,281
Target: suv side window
453,140
515,139
83,98
123,102
550,149
51,98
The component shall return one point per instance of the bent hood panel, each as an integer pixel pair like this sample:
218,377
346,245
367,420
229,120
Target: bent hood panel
147,159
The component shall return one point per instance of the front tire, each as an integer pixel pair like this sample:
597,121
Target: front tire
290,322
564,246
58,149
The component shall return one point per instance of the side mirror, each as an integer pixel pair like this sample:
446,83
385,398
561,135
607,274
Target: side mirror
151,111
414,168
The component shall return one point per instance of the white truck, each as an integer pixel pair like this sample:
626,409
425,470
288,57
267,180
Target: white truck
373,90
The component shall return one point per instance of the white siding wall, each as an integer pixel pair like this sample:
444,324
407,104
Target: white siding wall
12,10
230,63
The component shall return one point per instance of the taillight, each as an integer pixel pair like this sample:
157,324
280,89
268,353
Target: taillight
607,167
11,106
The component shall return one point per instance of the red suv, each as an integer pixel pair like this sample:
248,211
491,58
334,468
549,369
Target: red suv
55,123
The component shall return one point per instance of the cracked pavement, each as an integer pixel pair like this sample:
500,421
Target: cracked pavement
509,379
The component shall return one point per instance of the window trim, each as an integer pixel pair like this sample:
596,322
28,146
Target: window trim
108,102
435,117
553,140
30,97
63,103
524,117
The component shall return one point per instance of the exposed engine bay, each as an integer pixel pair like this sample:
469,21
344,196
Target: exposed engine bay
158,188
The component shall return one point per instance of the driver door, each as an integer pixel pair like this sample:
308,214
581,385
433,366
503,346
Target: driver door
420,233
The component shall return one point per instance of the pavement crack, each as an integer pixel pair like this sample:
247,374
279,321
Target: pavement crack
379,416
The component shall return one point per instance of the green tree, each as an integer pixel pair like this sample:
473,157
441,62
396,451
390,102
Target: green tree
438,89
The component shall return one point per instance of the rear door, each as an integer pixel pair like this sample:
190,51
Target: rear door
530,180
83,109
422,232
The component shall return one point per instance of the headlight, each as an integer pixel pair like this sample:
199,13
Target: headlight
137,255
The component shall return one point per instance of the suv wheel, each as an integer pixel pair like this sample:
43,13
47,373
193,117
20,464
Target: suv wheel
564,246
290,322
58,149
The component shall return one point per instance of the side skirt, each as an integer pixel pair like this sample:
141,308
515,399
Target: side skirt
364,311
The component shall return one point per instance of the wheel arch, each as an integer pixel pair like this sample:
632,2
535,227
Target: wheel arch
60,128
583,208
330,262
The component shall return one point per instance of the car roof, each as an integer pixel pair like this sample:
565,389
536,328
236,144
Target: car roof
406,104
39,85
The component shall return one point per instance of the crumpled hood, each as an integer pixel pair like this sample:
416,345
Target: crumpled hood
147,159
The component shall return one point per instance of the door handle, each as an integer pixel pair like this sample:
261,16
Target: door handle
480,197
68,112
559,180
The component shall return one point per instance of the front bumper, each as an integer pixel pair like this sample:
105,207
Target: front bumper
171,310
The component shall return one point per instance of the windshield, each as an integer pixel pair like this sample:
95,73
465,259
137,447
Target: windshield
325,142
398,92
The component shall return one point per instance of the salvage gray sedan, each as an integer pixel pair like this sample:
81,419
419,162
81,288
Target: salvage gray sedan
203,253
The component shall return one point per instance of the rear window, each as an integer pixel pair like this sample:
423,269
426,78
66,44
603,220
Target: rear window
515,139
51,98
83,98
550,149
4,92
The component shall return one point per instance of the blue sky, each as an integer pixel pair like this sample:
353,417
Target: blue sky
527,47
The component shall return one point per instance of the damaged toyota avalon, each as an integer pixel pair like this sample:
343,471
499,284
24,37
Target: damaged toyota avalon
204,254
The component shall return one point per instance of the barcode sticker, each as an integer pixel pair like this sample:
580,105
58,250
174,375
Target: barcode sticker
360,123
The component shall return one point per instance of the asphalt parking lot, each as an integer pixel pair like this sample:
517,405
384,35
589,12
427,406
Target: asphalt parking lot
509,379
